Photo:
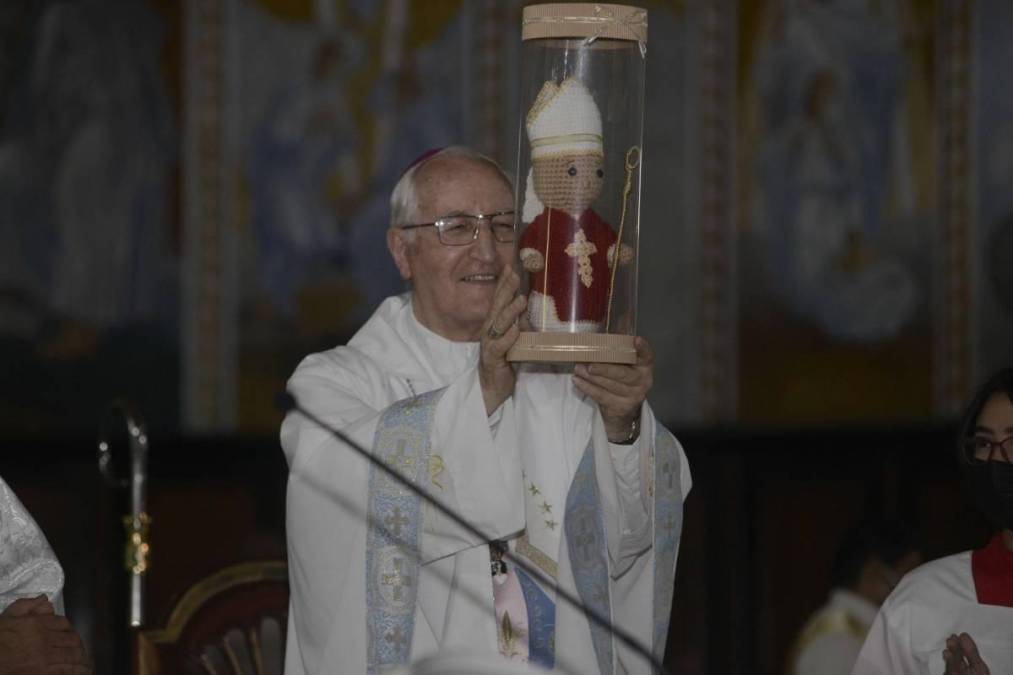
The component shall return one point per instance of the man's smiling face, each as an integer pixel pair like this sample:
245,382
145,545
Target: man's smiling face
452,286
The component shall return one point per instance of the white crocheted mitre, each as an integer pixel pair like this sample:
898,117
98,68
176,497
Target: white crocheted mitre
564,120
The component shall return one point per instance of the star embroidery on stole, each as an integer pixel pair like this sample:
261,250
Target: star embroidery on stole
581,249
546,507
534,490
551,524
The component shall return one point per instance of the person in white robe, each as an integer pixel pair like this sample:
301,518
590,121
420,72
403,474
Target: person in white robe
831,638
35,637
568,467
955,615
870,561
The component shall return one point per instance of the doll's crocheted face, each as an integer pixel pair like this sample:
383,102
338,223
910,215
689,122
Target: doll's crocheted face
568,182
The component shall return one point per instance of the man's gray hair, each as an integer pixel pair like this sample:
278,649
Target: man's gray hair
404,206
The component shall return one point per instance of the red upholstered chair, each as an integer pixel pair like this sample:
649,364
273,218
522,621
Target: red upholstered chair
230,623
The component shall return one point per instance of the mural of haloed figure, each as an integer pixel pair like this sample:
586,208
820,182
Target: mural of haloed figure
335,100
838,165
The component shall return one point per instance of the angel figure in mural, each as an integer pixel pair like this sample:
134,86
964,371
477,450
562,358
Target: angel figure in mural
98,145
829,87
305,172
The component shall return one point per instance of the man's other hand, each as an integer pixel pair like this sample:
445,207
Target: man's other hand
34,640
619,390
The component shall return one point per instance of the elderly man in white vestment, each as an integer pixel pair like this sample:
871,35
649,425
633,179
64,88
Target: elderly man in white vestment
566,467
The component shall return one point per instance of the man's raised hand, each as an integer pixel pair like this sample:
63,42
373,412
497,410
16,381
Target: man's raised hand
499,332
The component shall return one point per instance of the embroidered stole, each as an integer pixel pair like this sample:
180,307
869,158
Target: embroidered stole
667,531
584,528
541,621
394,524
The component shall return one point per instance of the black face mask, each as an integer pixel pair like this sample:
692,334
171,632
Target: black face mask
992,486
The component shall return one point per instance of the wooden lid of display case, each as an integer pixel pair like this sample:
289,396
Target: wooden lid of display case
584,20
548,347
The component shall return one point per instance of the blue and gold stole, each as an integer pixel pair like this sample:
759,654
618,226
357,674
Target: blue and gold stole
393,528
584,528
394,524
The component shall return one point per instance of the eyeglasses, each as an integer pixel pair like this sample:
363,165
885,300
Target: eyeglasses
462,229
981,449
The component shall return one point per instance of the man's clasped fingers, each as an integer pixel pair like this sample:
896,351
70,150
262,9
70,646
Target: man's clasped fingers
66,645
961,656
621,380
611,376
609,392
615,400
619,390
24,606
67,656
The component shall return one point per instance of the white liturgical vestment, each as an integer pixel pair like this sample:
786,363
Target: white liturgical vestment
929,605
829,642
508,474
28,566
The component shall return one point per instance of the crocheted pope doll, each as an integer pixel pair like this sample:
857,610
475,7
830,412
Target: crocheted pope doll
566,248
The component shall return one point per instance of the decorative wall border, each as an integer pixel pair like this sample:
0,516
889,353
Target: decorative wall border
953,320
716,210
494,25
208,266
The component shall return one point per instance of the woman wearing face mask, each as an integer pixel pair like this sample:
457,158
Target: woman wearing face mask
955,615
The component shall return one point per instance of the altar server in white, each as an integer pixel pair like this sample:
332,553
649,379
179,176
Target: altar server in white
955,615
568,468
872,558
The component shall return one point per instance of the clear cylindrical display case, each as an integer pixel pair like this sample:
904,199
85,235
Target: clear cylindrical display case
579,166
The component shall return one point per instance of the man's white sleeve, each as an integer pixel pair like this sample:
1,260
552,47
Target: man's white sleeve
631,481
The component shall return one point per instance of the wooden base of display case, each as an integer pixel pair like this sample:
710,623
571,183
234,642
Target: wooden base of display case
574,348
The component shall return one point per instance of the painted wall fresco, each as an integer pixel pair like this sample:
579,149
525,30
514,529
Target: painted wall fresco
89,241
837,170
